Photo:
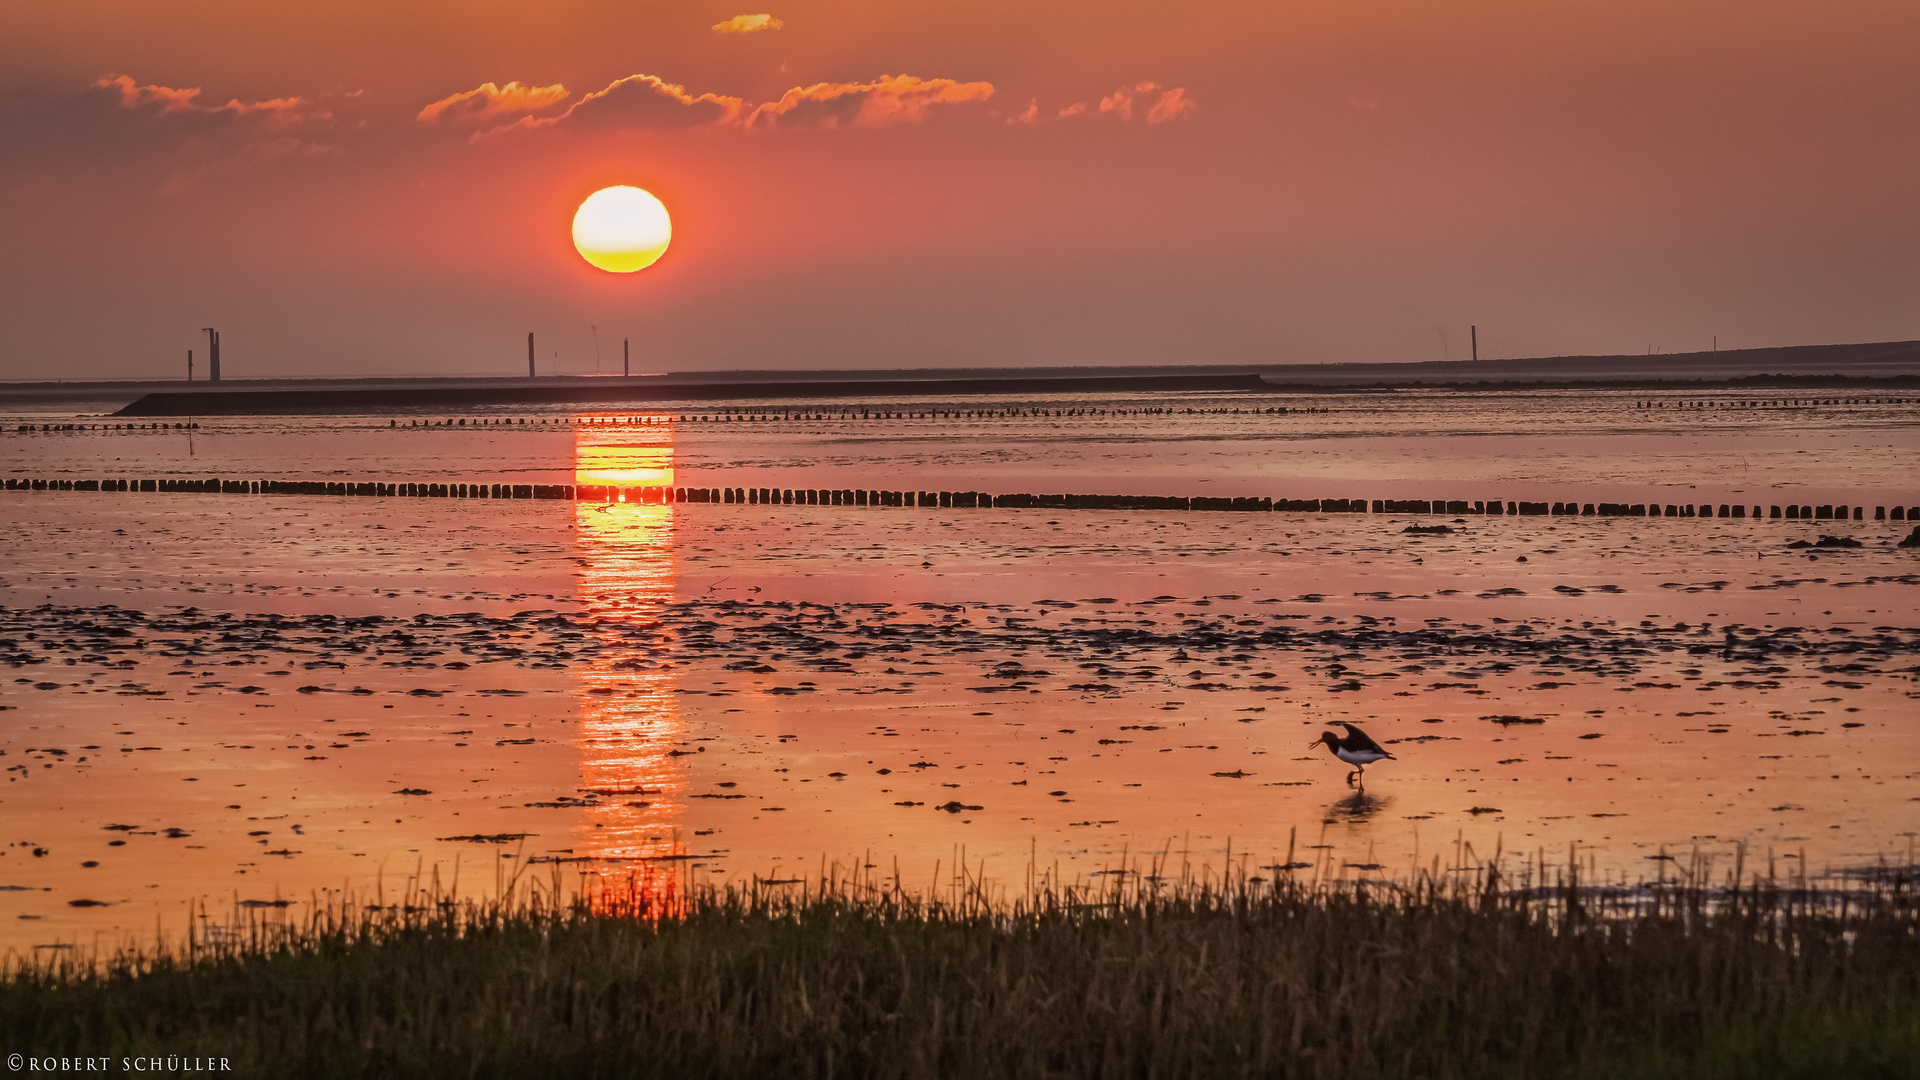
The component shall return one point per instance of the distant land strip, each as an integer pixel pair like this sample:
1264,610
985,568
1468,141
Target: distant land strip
625,391
365,399
665,495
1744,382
1861,365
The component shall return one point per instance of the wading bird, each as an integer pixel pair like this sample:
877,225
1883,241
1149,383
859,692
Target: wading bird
1357,750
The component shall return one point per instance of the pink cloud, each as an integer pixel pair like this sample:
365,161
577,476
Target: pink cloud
1172,105
647,101
1160,105
155,100
639,101
117,119
488,102
888,100
1120,102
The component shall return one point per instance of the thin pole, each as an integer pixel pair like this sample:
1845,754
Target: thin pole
626,357
189,365
529,354
1475,331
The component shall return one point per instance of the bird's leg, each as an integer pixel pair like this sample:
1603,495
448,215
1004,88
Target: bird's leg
1351,775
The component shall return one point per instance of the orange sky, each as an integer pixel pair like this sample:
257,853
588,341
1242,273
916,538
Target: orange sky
1267,182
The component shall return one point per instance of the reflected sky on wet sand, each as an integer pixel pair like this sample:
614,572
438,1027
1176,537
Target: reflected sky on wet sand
225,699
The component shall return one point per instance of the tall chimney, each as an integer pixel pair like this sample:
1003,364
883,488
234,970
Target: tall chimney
529,354
213,354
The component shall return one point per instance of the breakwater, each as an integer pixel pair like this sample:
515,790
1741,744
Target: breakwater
968,500
805,414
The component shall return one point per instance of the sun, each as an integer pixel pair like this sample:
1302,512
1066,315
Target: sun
622,229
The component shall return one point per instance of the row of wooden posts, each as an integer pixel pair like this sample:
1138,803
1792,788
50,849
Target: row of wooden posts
740,416
870,413
1772,403
179,425
750,416
662,495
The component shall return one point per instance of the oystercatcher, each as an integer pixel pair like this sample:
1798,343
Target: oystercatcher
1357,749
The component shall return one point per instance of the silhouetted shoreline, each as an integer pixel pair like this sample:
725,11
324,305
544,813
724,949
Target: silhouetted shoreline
257,402
1884,365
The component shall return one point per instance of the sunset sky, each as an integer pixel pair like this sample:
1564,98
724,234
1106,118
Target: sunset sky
358,188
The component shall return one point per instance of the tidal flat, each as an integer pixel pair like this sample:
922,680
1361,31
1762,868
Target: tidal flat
277,702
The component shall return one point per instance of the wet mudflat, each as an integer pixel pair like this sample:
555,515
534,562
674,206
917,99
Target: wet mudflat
254,700
1772,446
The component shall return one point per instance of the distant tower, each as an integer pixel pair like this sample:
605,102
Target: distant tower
1475,331
213,354
529,354
189,365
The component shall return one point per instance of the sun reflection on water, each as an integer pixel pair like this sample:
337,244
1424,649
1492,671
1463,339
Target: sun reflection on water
630,724
633,455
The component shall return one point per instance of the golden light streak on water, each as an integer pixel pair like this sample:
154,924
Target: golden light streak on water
629,720
638,453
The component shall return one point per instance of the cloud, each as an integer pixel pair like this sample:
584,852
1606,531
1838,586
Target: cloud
1027,115
1120,102
118,119
637,101
747,24
1169,105
488,102
180,105
888,100
647,101
1172,105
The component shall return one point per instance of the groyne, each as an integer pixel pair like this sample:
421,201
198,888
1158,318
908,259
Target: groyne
961,500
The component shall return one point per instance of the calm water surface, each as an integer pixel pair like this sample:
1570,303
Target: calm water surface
256,699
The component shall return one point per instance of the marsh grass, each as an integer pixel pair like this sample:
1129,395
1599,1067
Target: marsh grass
1474,973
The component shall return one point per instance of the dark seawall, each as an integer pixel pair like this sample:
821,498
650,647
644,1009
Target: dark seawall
295,402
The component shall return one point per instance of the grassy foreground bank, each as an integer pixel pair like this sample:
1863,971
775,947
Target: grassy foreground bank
835,979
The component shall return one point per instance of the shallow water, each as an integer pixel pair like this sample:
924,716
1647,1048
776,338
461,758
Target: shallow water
319,693
1590,446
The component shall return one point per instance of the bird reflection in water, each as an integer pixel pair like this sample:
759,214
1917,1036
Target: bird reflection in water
628,837
1358,807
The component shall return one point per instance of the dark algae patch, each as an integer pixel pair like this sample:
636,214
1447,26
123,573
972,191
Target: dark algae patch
122,637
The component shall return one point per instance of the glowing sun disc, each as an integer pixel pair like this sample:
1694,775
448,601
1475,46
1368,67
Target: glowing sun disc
621,229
